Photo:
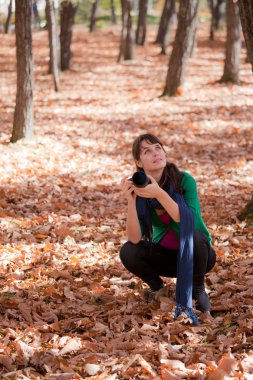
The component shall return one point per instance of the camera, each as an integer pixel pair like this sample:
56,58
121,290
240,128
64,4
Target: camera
140,179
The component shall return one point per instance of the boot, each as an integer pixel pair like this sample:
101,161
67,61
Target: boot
202,301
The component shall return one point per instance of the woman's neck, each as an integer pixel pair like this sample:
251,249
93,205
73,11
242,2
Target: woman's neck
157,175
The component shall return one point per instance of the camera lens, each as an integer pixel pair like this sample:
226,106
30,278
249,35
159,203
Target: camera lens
140,179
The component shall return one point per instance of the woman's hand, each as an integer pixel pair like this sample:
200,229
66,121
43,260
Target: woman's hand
128,189
152,190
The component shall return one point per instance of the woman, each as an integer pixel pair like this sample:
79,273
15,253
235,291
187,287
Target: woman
166,233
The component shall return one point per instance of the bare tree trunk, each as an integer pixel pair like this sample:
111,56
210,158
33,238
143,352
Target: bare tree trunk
8,20
23,116
233,44
114,20
247,59
127,40
163,34
186,17
193,38
142,23
247,212
215,7
67,16
93,16
246,16
211,6
217,14
53,43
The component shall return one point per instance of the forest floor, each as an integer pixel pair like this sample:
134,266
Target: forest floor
68,308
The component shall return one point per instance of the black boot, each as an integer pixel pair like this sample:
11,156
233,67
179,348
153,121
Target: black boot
202,301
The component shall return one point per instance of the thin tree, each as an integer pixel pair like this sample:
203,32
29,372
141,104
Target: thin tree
8,20
246,16
193,37
142,23
215,7
163,34
23,116
114,20
127,40
67,17
233,44
53,43
188,11
93,16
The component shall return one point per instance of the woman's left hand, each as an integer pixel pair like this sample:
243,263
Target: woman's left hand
152,190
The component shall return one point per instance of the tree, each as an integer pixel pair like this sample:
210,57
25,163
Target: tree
114,20
23,116
247,212
215,7
8,20
188,11
163,33
142,22
246,16
53,43
93,16
127,40
67,16
233,44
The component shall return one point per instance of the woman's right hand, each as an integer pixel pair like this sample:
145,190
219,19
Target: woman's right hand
127,188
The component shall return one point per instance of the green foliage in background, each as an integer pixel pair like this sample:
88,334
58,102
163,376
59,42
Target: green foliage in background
104,10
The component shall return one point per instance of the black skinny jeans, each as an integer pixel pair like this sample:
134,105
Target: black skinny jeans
149,264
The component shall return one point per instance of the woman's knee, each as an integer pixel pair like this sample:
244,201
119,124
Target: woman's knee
199,237
126,251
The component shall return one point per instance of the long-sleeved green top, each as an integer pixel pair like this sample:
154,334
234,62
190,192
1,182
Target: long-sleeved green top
190,195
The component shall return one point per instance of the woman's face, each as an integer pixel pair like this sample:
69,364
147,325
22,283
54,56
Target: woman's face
152,157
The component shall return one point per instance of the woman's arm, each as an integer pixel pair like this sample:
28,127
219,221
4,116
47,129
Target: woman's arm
169,205
155,191
133,228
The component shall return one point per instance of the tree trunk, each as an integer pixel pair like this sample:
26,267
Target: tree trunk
217,14
247,212
36,14
233,44
142,23
8,20
23,116
67,16
192,38
165,25
211,6
246,16
93,15
127,40
186,17
215,7
53,43
114,20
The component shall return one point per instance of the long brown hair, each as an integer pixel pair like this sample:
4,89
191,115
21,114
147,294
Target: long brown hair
171,173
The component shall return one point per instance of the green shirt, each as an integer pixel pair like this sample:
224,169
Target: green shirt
191,197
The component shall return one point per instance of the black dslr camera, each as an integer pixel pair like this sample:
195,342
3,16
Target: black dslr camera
140,179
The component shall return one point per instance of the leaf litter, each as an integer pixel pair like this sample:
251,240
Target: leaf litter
68,308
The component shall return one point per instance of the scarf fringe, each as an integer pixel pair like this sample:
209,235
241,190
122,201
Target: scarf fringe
188,311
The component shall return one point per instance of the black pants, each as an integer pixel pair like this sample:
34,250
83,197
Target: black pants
149,264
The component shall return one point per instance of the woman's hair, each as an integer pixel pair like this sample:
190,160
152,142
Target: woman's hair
171,174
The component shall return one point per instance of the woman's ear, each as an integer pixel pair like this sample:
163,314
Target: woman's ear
139,164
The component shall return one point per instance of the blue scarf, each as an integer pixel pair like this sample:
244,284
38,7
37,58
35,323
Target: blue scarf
185,254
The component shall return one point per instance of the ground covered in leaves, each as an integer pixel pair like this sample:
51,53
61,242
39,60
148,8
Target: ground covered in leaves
68,309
